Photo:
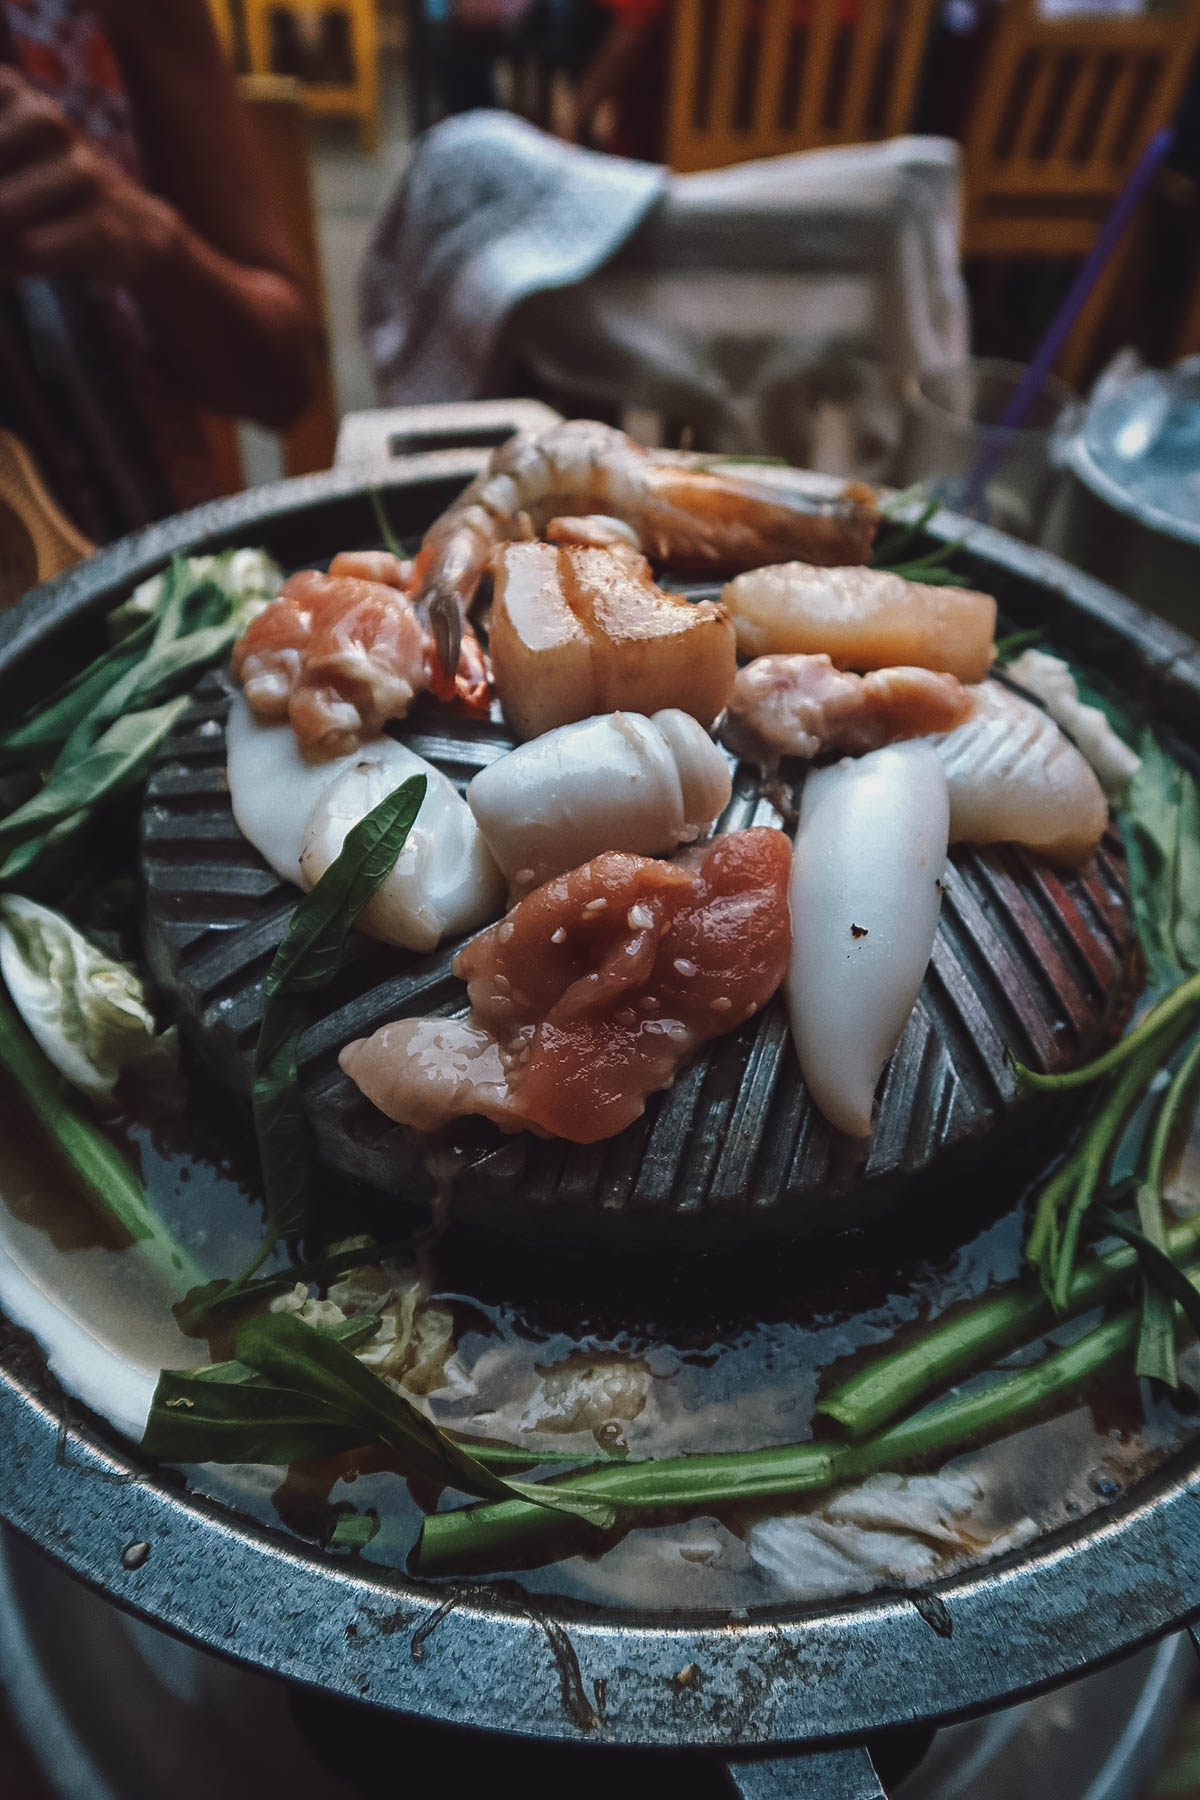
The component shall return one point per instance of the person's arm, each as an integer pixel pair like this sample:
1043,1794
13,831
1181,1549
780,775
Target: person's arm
609,70
202,250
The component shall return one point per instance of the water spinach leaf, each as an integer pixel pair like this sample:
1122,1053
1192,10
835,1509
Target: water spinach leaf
307,960
96,1164
296,1390
119,754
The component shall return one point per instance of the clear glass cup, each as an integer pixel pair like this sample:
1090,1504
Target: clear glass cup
952,427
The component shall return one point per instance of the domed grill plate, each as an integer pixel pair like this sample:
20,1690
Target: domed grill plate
1026,958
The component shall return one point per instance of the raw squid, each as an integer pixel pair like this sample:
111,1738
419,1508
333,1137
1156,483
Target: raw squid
865,893
444,881
1049,679
683,513
619,782
801,706
339,655
588,996
576,631
862,619
1015,778
296,814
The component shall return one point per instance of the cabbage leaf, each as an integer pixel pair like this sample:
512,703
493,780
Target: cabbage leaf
87,1013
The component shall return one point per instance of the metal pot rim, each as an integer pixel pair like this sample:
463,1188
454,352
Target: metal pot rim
490,1656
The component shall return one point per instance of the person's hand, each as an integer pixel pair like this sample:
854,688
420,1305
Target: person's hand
65,207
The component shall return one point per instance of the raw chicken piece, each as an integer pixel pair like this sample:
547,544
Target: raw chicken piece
587,997
1015,778
340,655
801,706
577,631
862,619
374,565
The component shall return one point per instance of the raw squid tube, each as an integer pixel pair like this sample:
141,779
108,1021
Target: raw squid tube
865,892
444,881
296,813
620,781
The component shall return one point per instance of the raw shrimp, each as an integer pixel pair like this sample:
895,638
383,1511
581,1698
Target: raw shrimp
588,996
339,655
683,513
802,706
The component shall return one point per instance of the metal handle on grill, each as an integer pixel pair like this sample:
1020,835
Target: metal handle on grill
809,1775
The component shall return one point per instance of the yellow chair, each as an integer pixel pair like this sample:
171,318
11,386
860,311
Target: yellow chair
749,80
281,131
37,540
225,25
1065,107
360,98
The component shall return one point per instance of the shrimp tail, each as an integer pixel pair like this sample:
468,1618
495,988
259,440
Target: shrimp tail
445,621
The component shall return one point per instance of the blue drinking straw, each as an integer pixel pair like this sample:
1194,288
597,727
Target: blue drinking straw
1030,385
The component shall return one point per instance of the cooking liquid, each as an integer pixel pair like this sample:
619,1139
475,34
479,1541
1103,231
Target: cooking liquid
723,1352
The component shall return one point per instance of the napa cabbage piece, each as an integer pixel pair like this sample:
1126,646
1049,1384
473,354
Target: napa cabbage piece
87,1013
249,578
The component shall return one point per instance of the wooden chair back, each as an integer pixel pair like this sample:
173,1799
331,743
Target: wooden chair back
752,78
281,130
357,98
1065,107
37,540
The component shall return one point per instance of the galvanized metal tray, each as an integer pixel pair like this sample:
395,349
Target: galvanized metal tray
479,1655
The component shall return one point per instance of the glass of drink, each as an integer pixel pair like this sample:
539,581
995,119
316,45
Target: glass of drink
952,429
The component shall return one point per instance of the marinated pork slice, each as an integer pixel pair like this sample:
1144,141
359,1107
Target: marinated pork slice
587,997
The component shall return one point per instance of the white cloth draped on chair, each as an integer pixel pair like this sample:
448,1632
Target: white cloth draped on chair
775,307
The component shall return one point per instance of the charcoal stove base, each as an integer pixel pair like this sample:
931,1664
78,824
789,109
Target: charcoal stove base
113,1709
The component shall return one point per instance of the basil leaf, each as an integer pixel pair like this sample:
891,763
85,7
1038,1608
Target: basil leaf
308,958
193,1420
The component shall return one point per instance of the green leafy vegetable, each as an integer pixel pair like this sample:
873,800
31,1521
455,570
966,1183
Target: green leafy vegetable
1160,824
87,1012
119,755
354,1531
306,961
965,1342
390,540
96,1164
92,741
294,1387
500,1536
